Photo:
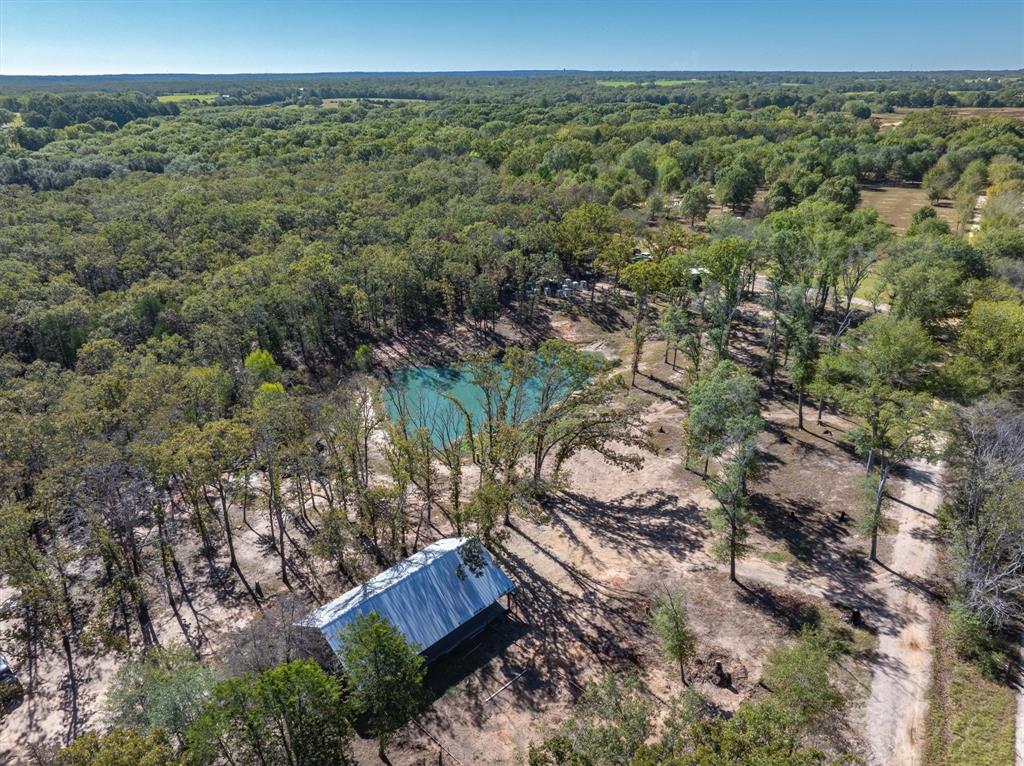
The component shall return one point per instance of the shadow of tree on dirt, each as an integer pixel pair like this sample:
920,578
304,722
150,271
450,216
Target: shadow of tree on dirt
650,521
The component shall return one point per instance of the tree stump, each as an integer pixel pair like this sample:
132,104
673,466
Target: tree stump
723,679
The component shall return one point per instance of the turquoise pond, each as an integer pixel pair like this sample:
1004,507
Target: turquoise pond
423,393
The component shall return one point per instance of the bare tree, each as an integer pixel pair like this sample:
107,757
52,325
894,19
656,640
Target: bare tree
987,526
275,638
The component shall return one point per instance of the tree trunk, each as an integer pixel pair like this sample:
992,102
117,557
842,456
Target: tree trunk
732,545
275,502
800,408
877,518
231,547
72,686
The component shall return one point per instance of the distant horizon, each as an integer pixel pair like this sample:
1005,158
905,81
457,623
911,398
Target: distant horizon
63,38
310,73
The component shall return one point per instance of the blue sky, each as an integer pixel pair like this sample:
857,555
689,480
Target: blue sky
102,36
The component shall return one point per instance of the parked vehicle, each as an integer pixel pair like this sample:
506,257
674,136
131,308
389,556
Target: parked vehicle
11,690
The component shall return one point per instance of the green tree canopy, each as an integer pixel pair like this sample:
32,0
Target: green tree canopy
385,674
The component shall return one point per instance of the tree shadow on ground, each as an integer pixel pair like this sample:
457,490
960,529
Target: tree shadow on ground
604,315
668,392
794,611
651,521
468,675
815,544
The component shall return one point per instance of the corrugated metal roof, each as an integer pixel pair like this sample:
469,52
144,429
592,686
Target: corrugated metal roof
427,596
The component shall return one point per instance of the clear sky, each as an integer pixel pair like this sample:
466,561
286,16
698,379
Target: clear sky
218,36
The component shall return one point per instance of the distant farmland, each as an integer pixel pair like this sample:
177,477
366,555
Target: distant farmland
656,83
176,98
334,103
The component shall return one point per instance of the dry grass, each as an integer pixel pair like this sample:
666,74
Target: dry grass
972,717
896,204
590,564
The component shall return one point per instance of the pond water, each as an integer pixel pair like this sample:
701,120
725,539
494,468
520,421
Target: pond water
423,393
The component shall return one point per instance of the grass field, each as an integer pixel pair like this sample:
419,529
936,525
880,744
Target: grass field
896,204
176,98
674,83
971,719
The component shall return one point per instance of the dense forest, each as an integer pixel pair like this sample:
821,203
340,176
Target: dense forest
193,292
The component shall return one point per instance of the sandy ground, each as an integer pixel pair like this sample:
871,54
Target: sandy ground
589,566
42,722
976,217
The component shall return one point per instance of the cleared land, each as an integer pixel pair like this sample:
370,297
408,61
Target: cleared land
890,120
589,566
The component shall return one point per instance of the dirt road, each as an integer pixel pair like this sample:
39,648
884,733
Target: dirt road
898,704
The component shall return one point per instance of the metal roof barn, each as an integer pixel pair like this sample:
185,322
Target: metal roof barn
433,597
